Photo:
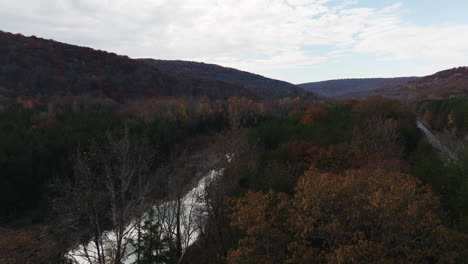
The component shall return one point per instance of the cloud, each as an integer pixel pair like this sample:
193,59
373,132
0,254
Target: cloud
254,35
285,60
402,42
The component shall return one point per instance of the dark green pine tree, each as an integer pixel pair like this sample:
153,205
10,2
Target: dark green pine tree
151,247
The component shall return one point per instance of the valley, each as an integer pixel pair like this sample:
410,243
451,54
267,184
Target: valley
110,159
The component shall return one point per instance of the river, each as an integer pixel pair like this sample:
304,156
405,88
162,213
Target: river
193,216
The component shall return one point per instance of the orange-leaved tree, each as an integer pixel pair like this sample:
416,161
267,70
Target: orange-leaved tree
359,216
310,154
314,114
263,218
369,216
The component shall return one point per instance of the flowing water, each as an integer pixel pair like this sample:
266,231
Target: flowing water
193,213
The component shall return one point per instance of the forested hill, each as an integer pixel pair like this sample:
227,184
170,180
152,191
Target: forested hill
35,68
257,84
343,87
443,84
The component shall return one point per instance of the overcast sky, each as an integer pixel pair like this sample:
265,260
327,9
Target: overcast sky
293,40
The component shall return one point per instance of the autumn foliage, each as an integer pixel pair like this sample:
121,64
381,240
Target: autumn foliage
262,217
361,207
313,114
33,66
309,153
361,216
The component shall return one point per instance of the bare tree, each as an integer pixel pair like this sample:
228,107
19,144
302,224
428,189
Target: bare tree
103,204
234,152
178,209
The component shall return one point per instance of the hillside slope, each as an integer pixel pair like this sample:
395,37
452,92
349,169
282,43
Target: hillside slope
343,87
43,69
257,84
443,84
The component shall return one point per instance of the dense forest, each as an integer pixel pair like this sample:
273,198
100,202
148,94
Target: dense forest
330,182
106,159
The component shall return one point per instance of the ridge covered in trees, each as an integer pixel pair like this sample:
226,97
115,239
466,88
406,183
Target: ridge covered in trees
441,85
264,87
354,87
32,68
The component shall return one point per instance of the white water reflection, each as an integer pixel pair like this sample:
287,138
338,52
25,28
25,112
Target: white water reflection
191,216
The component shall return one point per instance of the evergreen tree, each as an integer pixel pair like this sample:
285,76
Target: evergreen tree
150,246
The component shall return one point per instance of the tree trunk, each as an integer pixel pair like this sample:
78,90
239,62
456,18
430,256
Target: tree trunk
178,229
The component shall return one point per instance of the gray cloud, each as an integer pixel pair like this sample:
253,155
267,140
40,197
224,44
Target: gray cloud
234,32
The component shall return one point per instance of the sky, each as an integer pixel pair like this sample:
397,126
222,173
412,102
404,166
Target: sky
293,40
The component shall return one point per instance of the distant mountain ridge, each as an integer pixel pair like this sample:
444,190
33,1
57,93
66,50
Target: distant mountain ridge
40,69
344,87
257,84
